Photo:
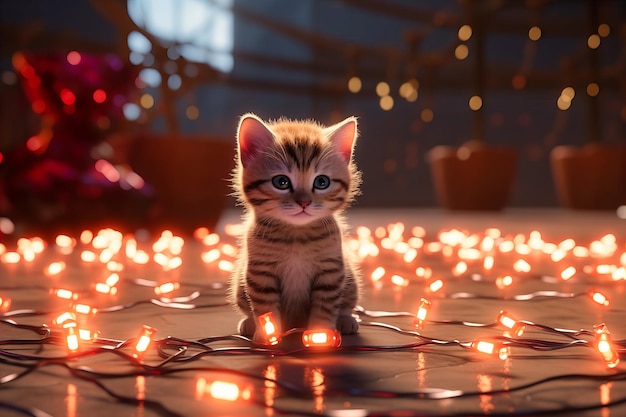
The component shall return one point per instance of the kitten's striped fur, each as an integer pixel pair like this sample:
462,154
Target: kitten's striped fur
294,179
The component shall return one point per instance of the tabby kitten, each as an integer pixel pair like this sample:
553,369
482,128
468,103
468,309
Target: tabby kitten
294,179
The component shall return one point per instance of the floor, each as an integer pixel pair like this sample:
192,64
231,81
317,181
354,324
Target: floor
397,365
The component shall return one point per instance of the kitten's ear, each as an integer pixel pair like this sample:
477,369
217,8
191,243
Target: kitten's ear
252,137
343,135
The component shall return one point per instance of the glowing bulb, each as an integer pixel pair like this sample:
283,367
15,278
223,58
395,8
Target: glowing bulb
103,288
604,345
510,323
599,298
5,303
88,335
321,338
568,273
99,96
491,348
399,281
166,288
459,269
488,263
143,341
377,274
504,282
63,318
521,266
71,338
55,268
422,313
435,286
65,294
269,328
84,309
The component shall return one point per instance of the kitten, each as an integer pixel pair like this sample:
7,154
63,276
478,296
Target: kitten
294,179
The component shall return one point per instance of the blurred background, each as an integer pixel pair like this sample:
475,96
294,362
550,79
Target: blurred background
124,111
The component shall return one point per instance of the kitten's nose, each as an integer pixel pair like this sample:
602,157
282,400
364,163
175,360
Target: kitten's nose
304,203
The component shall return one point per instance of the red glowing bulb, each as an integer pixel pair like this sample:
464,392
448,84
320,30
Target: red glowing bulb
510,323
71,336
143,341
604,345
67,97
422,312
5,303
496,349
268,326
65,294
166,288
321,338
599,298
74,58
99,96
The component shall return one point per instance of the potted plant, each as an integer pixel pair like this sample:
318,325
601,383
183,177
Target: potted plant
474,176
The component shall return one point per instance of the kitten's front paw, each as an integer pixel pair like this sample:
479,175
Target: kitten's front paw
247,327
347,324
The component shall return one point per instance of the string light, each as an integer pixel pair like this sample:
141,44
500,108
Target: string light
71,338
321,338
166,288
64,294
84,309
143,341
88,335
63,318
601,258
510,323
496,349
269,328
604,345
55,268
399,280
435,286
422,313
504,281
5,303
599,298
103,288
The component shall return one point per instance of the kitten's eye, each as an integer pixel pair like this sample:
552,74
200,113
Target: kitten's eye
281,182
321,182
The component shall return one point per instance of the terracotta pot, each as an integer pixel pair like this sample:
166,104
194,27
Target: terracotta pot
473,177
592,177
190,176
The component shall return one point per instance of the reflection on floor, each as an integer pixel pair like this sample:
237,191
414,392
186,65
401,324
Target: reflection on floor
462,314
